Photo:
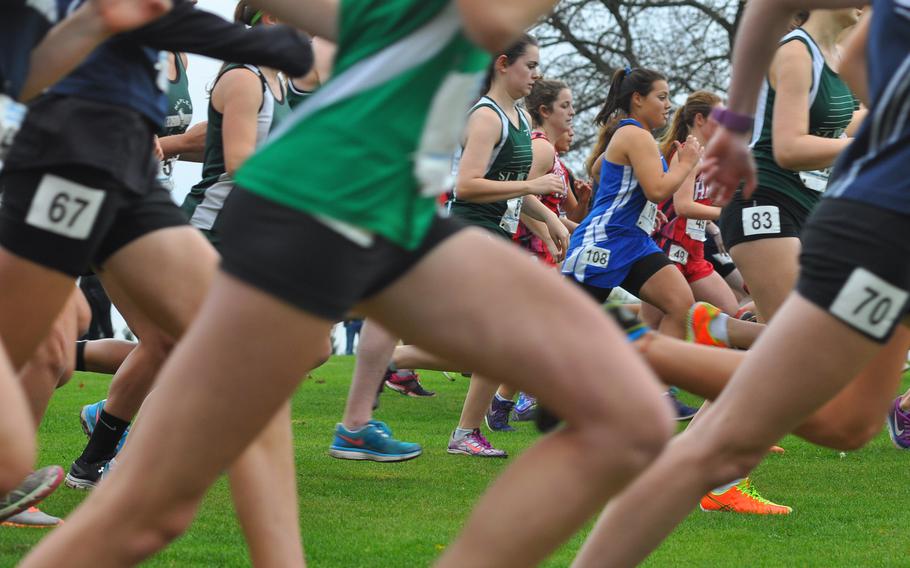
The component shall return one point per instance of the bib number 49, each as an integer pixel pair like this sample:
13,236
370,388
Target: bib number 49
65,207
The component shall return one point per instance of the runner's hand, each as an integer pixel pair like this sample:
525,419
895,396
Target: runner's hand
727,162
583,191
689,152
560,235
123,15
545,185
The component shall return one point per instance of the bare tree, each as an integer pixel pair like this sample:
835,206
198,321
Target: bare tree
584,41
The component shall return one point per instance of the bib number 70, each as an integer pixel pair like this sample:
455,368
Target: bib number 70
65,207
869,303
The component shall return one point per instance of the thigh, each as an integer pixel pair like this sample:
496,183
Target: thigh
715,290
165,274
769,268
495,321
668,290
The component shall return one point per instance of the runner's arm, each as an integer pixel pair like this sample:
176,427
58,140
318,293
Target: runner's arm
494,25
318,17
853,65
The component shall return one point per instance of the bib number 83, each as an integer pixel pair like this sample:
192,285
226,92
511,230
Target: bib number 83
65,207
761,220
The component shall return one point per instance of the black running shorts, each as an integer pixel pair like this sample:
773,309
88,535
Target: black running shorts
768,214
855,264
302,260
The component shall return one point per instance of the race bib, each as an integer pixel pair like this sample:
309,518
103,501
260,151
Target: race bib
723,258
648,218
592,255
678,254
869,304
816,180
761,220
512,216
696,229
12,114
65,207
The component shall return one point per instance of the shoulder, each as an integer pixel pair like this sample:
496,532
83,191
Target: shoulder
484,118
239,83
543,149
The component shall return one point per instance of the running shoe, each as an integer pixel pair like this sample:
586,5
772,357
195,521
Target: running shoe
31,491
525,408
742,498
373,442
85,476
474,444
88,417
683,411
698,324
746,313
407,384
32,518
899,425
497,416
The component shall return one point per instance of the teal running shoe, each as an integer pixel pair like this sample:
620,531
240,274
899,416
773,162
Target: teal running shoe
88,417
373,442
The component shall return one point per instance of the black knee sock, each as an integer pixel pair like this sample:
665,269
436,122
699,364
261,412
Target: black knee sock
103,443
80,355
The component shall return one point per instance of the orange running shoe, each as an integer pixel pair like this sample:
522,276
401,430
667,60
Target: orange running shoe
698,324
742,498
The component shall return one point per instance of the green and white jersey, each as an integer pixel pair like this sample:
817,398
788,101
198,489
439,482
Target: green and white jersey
831,107
296,96
179,116
511,161
370,150
204,202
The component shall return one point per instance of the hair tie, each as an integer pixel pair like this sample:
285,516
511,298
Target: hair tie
628,70
256,17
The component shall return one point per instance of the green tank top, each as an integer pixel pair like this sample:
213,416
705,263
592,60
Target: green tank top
830,111
178,118
372,148
511,161
204,202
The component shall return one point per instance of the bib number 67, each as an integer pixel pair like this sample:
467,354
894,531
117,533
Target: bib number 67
65,207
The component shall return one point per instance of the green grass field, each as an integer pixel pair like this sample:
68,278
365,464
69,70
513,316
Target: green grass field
848,511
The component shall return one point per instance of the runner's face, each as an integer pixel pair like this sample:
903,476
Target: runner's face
560,118
521,75
707,128
655,107
565,141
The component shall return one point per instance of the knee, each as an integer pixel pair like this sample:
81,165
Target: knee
17,465
847,434
324,356
52,360
155,347
159,531
722,458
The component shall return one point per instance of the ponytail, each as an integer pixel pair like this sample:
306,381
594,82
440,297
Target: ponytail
698,103
623,84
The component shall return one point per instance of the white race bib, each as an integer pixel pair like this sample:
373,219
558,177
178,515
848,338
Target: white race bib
12,114
761,220
163,68
65,207
723,258
648,218
678,254
592,255
869,304
512,216
696,229
816,180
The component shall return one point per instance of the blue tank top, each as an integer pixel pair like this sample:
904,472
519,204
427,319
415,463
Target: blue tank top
619,224
874,168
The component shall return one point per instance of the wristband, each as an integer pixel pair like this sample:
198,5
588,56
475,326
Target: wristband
733,121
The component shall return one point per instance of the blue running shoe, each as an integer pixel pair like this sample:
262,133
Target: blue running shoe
497,416
683,411
373,442
525,408
88,417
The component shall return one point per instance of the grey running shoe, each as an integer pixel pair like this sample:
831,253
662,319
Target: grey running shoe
32,518
474,444
31,491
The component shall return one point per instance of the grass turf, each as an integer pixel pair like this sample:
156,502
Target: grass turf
848,510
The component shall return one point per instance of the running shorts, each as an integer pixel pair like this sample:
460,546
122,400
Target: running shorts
722,262
301,260
640,272
768,214
855,264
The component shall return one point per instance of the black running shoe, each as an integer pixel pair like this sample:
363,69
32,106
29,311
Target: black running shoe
85,476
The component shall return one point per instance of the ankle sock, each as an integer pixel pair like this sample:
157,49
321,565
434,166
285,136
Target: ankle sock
460,433
718,328
724,488
103,443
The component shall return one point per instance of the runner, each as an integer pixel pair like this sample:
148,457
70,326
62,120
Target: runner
844,318
803,111
633,178
381,234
